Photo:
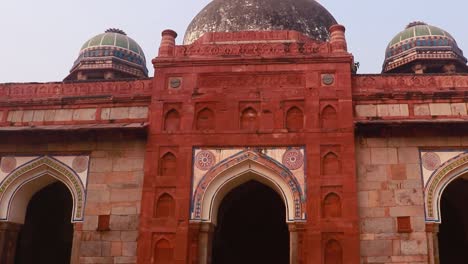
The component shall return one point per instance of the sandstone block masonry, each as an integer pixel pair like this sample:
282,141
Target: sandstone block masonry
114,189
390,186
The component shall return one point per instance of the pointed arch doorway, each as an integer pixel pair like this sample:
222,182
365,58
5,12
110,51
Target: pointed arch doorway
248,206
251,227
41,203
47,233
453,231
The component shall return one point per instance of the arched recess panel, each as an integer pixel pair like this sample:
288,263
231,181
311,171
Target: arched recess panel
172,120
168,165
331,206
331,164
329,117
333,252
294,119
437,180
205,120
19,186
164,207
249,119
209,188
163,252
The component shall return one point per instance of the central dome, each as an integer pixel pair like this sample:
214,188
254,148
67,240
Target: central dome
305,16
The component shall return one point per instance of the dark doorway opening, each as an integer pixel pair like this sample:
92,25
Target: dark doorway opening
251,227
453,232
47,234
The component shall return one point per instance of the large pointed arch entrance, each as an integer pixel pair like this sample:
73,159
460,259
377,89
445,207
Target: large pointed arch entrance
40,201
47,233
251,227
249,209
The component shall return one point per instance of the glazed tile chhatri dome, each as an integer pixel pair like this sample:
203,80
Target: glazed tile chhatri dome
305,16
112,51
420,41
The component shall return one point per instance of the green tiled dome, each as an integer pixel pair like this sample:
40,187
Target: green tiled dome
111,51
420,41
114,38
419,29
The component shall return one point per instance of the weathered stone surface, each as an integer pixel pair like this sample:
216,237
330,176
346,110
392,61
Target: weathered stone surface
440,109
90,248
63,115
366,110
413,247
86,114
407,211
392,110
376,248
138,112
49,115
90,223
127,222
116,248
129,249
384,156
28,116
130,236
106,249
409,197
377,225
125,195
100,165
125,210
422,110
39,115
125,260
120,113
111,236
96,260
15,116
459,109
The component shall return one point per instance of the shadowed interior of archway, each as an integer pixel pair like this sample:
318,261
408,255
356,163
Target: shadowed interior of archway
251,227
453,232
47,234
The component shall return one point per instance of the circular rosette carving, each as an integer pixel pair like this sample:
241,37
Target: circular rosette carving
8,164
431,161
80,164
293,159
204,160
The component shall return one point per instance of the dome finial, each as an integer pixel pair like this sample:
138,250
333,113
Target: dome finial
115,30
416,23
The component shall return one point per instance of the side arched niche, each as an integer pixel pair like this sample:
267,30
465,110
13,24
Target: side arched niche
437,183
450,172
17,189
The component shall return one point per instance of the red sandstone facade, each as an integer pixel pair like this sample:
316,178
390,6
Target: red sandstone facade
364,139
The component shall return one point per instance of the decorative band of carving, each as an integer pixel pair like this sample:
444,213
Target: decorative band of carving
253,49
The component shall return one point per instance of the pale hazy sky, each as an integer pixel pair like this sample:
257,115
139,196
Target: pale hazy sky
40,39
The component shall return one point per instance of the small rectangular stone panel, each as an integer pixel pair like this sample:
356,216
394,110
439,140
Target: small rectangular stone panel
81,114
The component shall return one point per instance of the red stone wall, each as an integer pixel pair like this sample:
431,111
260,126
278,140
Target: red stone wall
247,102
